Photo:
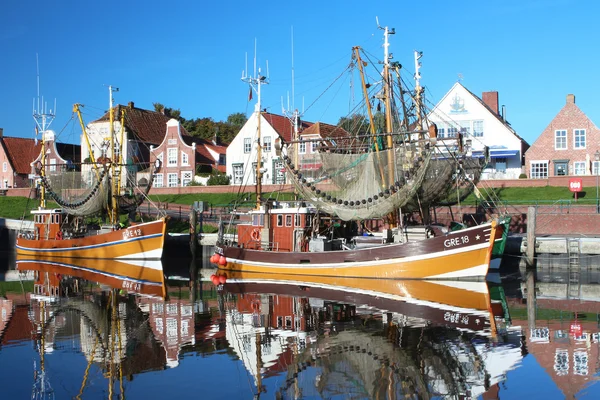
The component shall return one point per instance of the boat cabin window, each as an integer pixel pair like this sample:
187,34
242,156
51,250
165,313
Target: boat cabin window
279,220
297,220
288,220
308,219
258,220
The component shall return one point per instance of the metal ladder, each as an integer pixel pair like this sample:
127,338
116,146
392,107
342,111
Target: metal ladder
574,283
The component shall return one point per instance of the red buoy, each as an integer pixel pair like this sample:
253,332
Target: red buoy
222,261
214,259
214,279
222,279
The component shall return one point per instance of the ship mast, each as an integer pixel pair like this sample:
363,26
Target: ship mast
43,119
255,83
114,179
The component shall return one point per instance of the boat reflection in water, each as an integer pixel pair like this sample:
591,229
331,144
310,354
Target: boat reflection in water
369,338
296,336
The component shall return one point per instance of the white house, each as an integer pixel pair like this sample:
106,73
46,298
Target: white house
479,120
242,151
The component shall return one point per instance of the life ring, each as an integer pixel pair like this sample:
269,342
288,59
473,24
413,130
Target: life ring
59,235
255,234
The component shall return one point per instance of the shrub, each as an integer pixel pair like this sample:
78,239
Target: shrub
523,176
218,178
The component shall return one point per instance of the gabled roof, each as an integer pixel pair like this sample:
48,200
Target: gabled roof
326,131
492,112
147,126
283,125
203,156
21,152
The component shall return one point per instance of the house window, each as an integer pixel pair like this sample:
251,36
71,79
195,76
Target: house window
158,180
172,180
595,167
247,145
4,166
186,178
441,132
278,172
297,220
172,157
161,158
267,143
172,141
478,128
279,220
288,220
539,170
184,158
561,167
302,147
238,174
500,164
560,140
53,164
579,139
313,146
221,159
452,132
579,167
465,128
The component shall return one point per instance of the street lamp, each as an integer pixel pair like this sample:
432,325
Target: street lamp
597,162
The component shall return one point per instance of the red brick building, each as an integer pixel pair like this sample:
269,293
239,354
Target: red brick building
17,156
183,156
570,145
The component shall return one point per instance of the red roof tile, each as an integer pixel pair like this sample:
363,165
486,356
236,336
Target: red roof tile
21,152
283,125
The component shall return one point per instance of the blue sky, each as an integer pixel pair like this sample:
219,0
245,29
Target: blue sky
189,55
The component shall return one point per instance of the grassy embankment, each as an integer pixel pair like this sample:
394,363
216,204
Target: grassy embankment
16,207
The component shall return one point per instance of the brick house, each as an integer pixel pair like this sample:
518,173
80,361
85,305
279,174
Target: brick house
480,121
18,155
183,156
568,145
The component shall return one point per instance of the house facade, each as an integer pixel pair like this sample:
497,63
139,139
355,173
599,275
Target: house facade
570,145
19,155
479,121
182,157
242,151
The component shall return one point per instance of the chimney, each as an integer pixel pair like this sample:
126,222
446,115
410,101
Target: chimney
1,132
130,104
570,99
491,100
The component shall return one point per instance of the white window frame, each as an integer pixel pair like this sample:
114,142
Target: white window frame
560,139
158,181
278,172
185,160
452,132
313,146
238,173
267,144
186,178
4,166
581,134
301,147
538,164
579,168
172,157
478,128
53,164
172,179
247,145
595,167
441,131
465,128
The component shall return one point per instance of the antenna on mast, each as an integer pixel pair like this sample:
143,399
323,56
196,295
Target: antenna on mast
293,113
42,117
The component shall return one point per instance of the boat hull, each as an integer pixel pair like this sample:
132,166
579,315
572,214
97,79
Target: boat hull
144,277
141,241
461,254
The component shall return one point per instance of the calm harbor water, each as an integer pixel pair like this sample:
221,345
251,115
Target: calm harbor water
66,333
